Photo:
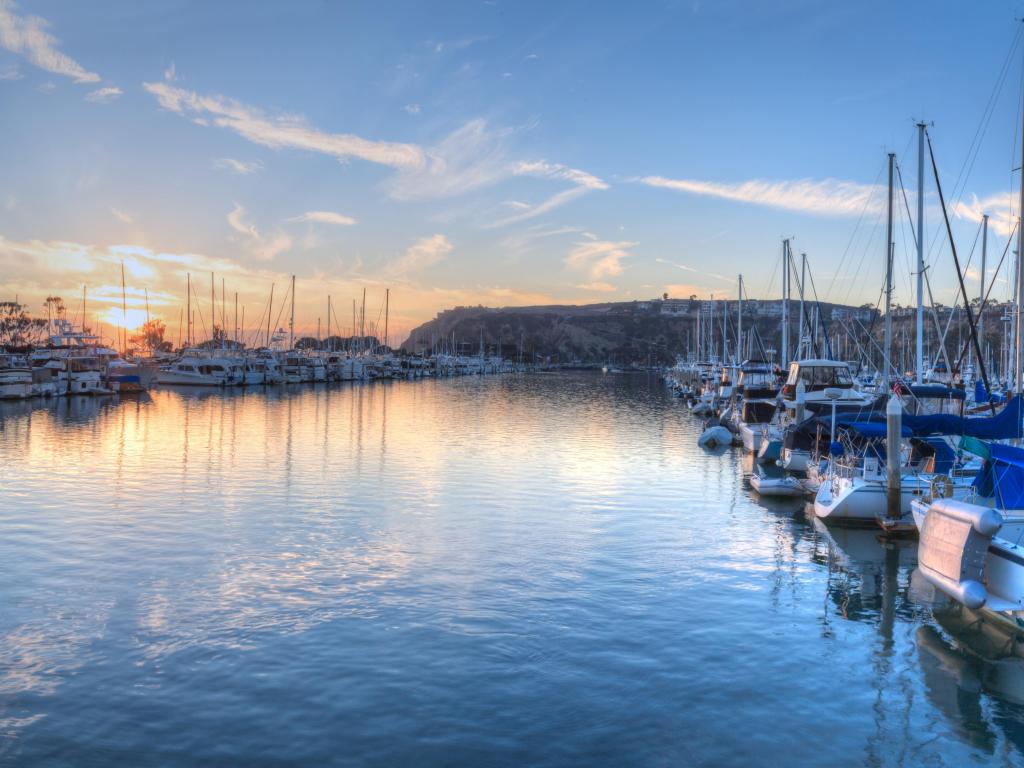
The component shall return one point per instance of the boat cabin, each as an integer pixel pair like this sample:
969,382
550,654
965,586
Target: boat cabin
817,376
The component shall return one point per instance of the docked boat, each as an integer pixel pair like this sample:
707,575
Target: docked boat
15,377
202,371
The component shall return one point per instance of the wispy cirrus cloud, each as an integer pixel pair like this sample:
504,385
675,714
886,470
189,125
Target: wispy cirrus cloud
122,216
582,182
599,258
27,36
470,158
241,167
263,246
424,253
694,270
325,217
1001,208
831,197
282,130
103,95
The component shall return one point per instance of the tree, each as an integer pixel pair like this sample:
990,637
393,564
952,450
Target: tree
16,327
151,336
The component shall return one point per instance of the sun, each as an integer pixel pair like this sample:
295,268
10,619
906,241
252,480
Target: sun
132,320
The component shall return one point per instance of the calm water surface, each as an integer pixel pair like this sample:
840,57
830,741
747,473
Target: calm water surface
532,570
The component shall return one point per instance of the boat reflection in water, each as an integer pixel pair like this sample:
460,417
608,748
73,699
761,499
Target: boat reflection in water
974,674
970,669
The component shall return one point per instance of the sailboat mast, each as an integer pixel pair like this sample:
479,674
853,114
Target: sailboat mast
887,342
124,314
270,310
213,308
785,304
803,279
1018,364
919,378
291,321
387,301
328,318
981,287
739,322
188,336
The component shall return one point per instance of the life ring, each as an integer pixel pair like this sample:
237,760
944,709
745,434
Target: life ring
941,487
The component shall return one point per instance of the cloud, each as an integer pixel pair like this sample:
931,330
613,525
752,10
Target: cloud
469,158
829,197
170,74
599,258
601,287
412,109
582,182
1000,207
10,73
688,268
424,253
27,35
238,166
281,131
121,216
264,247
325,217
103,95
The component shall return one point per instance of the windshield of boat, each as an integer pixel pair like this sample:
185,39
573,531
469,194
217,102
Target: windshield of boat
820,375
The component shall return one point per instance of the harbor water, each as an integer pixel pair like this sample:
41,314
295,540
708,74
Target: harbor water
535,569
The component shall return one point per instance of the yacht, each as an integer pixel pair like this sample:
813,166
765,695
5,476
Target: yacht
15,377
195,369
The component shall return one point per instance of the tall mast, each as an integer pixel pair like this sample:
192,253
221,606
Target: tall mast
223,316
236,317
188,336
785,303
919,378
1018,363
213,309
803,279
981,288
739,322
270,310
291,322
124,313
329,317
887,343
387,301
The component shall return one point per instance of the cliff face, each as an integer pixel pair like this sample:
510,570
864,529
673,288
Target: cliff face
622,333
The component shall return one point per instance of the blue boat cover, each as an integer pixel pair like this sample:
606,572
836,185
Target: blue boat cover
1002,477
938,391
873,429
945,457
1005,425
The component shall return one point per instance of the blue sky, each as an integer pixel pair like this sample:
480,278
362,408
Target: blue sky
486,152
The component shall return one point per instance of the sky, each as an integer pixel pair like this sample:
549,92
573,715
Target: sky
491,152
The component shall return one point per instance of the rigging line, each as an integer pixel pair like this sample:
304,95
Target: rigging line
869,242
199,309
856,227
979,134
277,322
984,301
959,274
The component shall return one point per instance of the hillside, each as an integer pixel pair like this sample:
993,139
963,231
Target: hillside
640,332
